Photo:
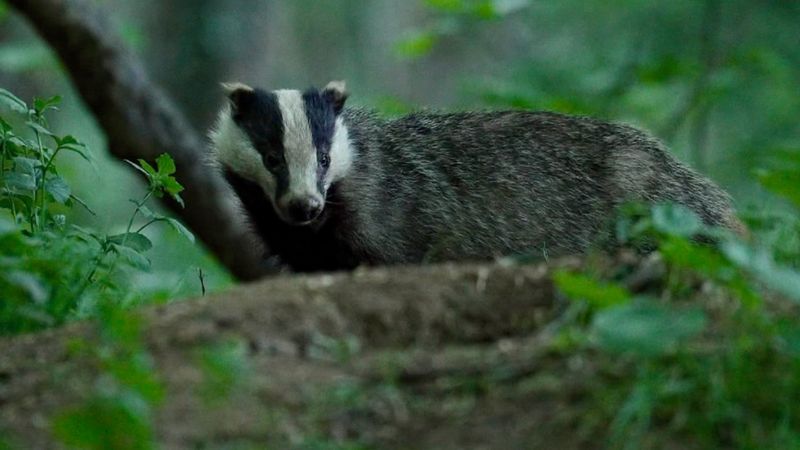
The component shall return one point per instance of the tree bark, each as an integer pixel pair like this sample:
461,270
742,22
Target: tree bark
140,121
420,342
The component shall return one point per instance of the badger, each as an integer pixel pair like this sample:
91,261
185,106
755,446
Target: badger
330,188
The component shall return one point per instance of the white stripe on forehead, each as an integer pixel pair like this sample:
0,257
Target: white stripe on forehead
299,151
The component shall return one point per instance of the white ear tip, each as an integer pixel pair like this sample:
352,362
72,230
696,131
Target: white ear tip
338,86
235,86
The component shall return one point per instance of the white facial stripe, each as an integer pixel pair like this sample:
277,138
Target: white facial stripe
341,154
233,149
299,151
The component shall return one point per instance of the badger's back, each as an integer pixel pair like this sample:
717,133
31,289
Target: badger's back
476,185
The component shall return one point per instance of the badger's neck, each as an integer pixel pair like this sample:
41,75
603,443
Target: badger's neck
356,143
356,133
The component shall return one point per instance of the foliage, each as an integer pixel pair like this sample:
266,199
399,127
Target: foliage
696,373
52,270
118,414
225,371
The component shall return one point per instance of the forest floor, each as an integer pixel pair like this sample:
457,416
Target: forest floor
420,357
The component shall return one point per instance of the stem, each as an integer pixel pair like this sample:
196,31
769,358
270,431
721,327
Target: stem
50,162
152,221
13,209
3,157
2,174
97,260
40,191
128,229
135,212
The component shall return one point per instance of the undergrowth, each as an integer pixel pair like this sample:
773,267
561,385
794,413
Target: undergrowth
722,375
53,271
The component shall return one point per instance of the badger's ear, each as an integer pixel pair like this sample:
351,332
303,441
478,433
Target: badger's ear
238,94
336,93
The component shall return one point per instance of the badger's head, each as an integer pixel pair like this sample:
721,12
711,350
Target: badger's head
293,144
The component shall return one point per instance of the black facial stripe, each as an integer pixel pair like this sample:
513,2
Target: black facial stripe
321,119
259,116
281,181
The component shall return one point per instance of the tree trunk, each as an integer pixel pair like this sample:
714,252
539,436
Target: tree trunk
140,121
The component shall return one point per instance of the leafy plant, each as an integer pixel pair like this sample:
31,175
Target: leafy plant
686,373
52,270
119,413
225,371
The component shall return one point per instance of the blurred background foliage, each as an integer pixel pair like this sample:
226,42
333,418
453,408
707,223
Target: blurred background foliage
717,80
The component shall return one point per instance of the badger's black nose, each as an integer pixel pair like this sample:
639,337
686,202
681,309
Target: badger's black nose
302,211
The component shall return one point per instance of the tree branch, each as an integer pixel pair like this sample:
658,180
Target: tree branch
141,122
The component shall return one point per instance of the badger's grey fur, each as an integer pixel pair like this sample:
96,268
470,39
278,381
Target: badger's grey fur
431,187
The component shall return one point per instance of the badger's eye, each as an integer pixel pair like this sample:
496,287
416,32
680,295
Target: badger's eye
324,160
272,161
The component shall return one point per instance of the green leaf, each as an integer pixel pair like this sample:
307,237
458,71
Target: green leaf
645,328
596,293
137,167
172,187
181,229
759,262
704,259
85,234
23,143
23,177
148,169
13,102
165,164
58,188
785,183
225,368
20,181
26,165
5,127
29,283
450,6
136,241
71,144
120,421
485,10
41,105
677,220
132,257
416,45
148,213
68,139
38,128
80,149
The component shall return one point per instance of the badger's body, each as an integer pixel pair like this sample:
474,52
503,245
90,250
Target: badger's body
431,187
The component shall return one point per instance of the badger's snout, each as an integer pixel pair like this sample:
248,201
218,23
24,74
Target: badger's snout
301,211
